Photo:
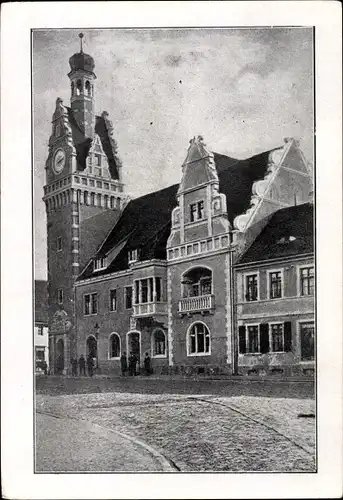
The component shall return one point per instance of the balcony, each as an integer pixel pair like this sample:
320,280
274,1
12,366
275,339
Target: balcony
149,309
201,303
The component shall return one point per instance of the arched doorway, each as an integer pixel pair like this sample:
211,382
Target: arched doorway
92,347
60,356
134,345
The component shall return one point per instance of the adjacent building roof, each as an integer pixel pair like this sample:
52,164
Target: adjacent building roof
145,222
290,231
41,301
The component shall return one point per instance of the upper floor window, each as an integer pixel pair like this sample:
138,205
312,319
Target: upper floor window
60,296
113,300
40,330
133,255
196,282
59,244
128,297
90,303
100,263
97,160
198,341
148,290
307,281
251,287
197,211
275,284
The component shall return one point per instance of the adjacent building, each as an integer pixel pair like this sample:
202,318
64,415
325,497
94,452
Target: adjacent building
163,273
41,330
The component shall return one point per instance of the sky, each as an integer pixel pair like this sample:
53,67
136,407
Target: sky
243,90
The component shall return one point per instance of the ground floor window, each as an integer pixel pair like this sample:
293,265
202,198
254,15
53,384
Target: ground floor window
198,339
40,354
307,341
114,346
253,338
265,337
159,343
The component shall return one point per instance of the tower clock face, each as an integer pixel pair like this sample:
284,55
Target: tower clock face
59,161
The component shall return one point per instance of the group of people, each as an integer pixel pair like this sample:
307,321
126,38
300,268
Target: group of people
81,364
129,365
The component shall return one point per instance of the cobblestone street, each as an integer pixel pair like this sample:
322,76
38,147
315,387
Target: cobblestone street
197,432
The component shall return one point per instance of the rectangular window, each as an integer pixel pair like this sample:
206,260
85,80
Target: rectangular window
253,339
40,330
133,255
75,219
277,340
307,341
144,291
39,354
113,300
251,288
100,263
97,159
60,296
307,281
91,303
128,297
158,283
275,285
197,211
59,244
84,181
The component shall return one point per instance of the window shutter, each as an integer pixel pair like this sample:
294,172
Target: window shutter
264,338
288,335
242,348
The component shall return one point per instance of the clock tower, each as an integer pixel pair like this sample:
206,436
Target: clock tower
83,197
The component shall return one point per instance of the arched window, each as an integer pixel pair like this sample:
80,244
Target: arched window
158,344
88,88
72,88
78,87
198,340
197,282
114,346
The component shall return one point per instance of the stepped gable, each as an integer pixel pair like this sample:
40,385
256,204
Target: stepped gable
145,222
290,231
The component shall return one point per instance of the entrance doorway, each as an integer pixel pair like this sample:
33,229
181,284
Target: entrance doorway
60,356
134,345
92,347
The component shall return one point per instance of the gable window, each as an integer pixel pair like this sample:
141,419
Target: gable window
113,300
114,346
197,211
198,342
307,281
59,244
158,343
133,255
251,288
275,284
90,304
264,338
100,263
97,159
128,297
60,296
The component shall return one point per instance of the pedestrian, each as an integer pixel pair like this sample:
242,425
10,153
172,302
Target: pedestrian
44,367
74,367
90,365
82,365
132,364
123,364
147,364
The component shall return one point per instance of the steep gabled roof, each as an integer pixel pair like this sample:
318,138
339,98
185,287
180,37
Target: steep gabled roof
41,301
290,231
145,221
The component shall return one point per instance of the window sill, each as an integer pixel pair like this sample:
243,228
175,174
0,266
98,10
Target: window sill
114,359
113,310
198,354
307,362
91,314
159,356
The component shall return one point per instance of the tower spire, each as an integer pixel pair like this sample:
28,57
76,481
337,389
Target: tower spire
81,35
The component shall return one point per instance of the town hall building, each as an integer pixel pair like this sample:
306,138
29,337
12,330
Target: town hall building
212,275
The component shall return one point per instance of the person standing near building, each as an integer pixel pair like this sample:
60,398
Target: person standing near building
90,365
132,364
82,365
147,364
123,364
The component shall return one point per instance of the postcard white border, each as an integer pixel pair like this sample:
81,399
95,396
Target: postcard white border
17,417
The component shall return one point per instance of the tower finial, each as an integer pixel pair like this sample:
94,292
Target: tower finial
81,35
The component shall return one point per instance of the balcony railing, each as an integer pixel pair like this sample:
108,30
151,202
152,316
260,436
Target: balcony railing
149,309
196,304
